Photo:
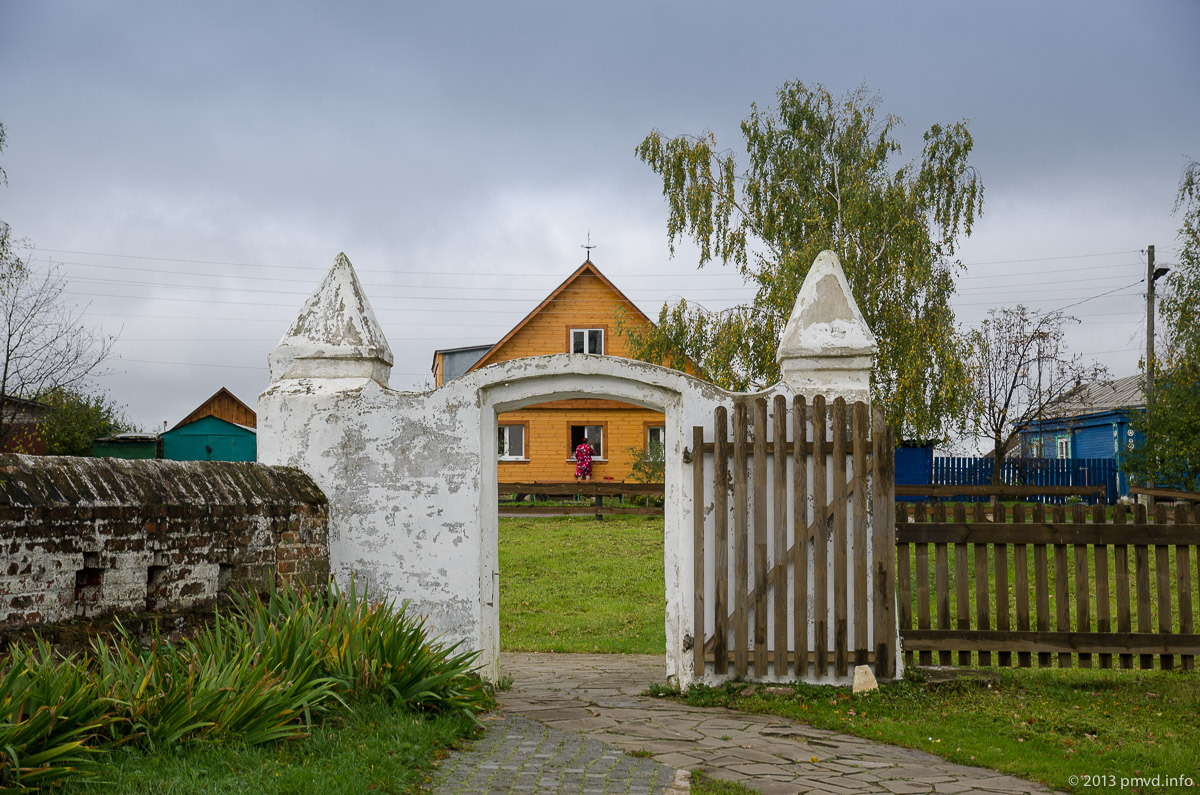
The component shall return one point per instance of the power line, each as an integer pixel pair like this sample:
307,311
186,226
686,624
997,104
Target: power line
1050,259
360,270
261,368
536,290
1043,300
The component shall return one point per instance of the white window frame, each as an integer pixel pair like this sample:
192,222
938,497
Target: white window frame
586,338
1063,446
661,433
504,430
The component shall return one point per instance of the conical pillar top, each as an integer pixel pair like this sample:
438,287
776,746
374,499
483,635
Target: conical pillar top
827,347
335,335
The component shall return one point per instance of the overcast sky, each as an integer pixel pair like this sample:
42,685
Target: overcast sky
194,169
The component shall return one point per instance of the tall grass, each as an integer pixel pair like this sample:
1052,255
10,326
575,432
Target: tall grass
265,673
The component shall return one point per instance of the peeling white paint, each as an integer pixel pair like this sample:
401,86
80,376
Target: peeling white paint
827,348
411,477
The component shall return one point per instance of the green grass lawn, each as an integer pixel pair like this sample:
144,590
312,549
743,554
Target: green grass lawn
1045,725
572,584
370,748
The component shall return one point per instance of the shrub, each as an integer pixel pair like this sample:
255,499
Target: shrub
258,676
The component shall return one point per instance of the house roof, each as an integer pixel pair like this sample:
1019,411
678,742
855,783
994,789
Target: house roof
463,349
212,408
586,268
1124,393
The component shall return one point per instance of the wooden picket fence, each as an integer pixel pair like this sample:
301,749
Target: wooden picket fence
1091,578
786,532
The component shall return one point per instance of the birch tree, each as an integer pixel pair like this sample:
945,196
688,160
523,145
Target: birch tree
823,173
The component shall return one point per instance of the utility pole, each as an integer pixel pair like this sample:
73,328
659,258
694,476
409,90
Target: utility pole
1149,324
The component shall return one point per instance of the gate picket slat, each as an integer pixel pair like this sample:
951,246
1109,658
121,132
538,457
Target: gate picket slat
1083,616
820,544
1062,590
942,583
779,552
698,583
760,537
884,548
1162,573
841,655
800,534
741,627
904,581
1041,584
1100,556
982,608
921,513
1121,567
1141,554
862,644
1000,562
1183,582
1021,584
962,603
721,541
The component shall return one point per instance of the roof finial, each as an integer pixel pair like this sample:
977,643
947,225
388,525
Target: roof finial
589,246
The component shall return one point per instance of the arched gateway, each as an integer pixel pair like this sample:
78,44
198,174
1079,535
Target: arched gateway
411,482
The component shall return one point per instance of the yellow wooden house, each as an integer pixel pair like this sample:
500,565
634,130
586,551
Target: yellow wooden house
537,443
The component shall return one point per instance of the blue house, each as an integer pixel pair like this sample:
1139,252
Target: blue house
1093,423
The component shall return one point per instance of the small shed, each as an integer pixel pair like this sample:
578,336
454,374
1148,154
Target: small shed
210,439
221,428
130,446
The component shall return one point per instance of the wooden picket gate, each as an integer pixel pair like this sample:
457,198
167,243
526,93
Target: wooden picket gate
762,601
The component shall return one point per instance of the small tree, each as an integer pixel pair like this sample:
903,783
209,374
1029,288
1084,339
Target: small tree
75,420
44,345
45,348
1020,373
1169,454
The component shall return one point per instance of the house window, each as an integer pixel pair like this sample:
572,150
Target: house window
656,439
511,443
587,340
1064,447
595,437
1035,447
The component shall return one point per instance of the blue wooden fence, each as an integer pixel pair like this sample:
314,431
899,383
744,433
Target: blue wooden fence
1028,472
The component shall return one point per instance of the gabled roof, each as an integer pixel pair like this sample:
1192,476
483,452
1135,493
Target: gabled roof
208,409
1102,396
586,268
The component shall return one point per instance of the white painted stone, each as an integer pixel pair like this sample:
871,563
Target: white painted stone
864,679
336,334
826,347
411,476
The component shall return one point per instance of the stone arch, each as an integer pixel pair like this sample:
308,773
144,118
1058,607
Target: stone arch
514,385
411,476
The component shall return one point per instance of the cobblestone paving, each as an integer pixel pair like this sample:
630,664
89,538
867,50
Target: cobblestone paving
597,696
524,756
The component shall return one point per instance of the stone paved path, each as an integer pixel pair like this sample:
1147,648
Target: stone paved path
596,696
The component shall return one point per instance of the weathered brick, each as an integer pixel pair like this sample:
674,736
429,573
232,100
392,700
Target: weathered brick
197,513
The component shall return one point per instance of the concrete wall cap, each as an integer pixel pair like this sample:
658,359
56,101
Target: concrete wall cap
335,328
825,320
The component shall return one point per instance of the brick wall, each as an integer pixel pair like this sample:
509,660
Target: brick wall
81,537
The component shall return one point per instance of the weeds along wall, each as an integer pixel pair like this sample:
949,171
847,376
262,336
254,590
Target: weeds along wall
82,537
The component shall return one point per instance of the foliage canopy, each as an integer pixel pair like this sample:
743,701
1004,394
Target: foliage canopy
822,175
76,419
1169,454
1021,372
